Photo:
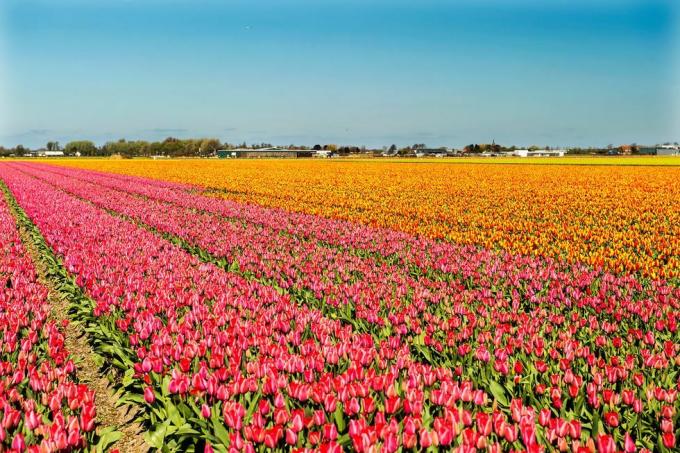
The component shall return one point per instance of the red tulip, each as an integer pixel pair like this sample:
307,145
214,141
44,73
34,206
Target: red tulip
149,395
18,442
666,425
291,437
629,444
611,418
668,440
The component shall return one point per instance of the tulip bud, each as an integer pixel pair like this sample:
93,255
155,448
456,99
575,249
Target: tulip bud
637,406
666,426
297,424
629,444
18,443
668,440
149,396
612,419
425,438
279,401
291,437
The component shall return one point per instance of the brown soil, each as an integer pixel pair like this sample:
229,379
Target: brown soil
87,370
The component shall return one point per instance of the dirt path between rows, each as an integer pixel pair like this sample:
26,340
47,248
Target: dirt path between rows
88,372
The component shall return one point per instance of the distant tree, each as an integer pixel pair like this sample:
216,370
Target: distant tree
209,146
317,148
331,147
84,147
172,147
155,149
20,150
52,146
393,149
406,151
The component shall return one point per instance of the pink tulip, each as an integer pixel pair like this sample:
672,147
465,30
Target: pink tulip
149,395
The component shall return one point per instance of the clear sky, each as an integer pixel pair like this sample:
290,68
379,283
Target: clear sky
546,72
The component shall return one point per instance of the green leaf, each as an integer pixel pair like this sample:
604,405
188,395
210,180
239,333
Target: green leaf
255,399
597,425
107,437
498,392
339,418
173,414
220,430
156,438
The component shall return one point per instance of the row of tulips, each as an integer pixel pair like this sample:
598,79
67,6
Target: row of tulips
562,341
330,231
43,408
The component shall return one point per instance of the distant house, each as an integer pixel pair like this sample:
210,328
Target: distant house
44,153
547,153
249,153
660,150
323,153
668,150
626,150
431,152
539,153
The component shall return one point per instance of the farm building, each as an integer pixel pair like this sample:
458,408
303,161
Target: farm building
667,150
539,153
248,153
45,153
435,152
661,150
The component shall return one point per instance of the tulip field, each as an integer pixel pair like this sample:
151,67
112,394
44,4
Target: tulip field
315,306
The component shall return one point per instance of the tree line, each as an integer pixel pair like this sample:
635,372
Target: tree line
205,147
171,147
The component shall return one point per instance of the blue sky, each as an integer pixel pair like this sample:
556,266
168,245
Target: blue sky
551,72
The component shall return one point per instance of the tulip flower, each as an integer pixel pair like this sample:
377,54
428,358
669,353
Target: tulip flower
611,418
149,395
668,440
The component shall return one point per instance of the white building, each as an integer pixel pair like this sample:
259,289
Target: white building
667,150
547,153
539,153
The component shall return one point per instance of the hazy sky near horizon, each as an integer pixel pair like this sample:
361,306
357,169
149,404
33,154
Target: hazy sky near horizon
551,72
